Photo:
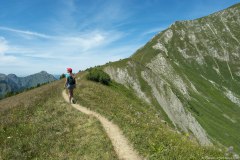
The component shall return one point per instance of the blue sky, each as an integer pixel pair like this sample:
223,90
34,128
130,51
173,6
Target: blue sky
52,35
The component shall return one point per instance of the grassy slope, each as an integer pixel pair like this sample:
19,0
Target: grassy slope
140,122
136,73
210,106
40,124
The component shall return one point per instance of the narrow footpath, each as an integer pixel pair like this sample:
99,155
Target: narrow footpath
121,145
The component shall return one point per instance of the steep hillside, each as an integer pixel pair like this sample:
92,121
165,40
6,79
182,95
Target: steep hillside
12,83
190,72
140,122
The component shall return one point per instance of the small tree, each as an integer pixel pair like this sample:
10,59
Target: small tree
62,76
98,75
9,94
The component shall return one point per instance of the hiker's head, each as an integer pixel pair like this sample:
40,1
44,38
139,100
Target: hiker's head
69,70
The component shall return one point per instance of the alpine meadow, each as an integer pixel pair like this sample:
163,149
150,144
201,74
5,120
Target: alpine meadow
177,97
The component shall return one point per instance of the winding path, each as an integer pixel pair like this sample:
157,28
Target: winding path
121,145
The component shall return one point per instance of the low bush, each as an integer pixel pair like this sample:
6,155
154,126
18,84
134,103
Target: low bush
98,75
62,76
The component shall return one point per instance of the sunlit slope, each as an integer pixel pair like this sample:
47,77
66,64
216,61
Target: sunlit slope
39,124
190,72
140,122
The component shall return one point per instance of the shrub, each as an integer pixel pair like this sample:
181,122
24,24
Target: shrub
98,75
9,94
62,76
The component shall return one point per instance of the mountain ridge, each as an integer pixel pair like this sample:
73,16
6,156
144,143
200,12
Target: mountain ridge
190,71
13,83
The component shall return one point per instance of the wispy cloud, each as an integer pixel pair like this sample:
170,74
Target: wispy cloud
4,47
78,33
80,41
81,45
35,34
154,30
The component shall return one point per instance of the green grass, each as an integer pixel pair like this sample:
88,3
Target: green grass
209,104
145,54
39,124
136,73
139,122
212,105
98,75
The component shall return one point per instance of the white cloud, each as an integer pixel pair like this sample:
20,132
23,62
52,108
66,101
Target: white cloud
35,34
87,48
81,41
89,41
7,59
69,41
153,30
3,49
3,45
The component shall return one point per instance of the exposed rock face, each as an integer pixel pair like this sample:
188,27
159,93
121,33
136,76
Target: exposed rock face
192,70
162,92
12,83
122,76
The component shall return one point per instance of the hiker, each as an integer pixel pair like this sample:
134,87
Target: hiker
70,84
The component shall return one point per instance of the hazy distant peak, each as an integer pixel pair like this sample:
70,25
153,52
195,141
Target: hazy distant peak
43,72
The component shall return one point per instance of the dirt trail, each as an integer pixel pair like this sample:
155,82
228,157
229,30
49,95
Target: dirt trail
121,145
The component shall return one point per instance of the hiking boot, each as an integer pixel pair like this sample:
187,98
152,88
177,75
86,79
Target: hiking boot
72,101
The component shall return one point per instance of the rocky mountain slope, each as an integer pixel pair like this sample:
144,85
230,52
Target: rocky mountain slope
12,83
191,73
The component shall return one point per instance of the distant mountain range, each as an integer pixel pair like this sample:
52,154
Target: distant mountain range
57,76
12,83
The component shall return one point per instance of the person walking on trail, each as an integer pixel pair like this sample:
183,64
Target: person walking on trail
70,84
